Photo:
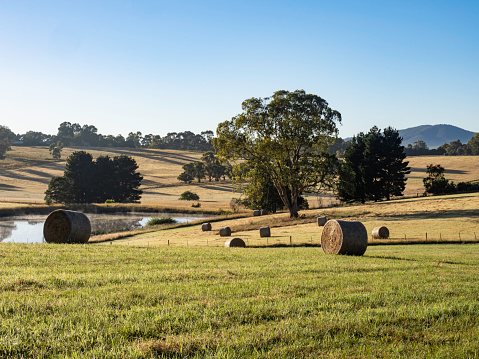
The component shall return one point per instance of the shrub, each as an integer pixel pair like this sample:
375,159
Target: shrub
110,201
153,221
196,205
189,196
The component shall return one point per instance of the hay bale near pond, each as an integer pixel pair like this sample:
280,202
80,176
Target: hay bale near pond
62,226
344,237
322,221
264,232
380,233
235,242
256,213
205,227
225,232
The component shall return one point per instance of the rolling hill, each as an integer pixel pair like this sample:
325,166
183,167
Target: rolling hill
435,135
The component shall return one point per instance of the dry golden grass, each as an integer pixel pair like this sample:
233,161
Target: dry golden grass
26,172
446,218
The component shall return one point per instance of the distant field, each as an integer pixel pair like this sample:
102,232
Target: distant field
90,301
442,218
25,174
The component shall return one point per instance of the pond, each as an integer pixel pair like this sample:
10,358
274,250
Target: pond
29,229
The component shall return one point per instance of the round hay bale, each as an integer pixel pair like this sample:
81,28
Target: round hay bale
62,226
322,221
206,227
264,212
264,232
344,237
380,233
256,212
235,242
225,232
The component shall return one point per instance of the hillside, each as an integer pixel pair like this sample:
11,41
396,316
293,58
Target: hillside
435,135
26,172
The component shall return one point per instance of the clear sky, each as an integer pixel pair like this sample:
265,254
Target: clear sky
171,66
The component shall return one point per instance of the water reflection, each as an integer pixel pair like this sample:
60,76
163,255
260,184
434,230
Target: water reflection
29,229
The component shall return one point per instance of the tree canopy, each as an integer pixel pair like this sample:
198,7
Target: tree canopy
285,137
373,167
88,181
6,140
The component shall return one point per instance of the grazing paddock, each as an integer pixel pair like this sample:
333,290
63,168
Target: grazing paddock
26,172
128,302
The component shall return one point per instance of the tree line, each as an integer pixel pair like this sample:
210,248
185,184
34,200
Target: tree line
73,134
454,148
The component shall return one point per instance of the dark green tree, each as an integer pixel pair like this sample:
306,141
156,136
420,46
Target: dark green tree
435,182
195,169
6,139
56,150
373,167
288,136
89,181
185,177
473,145
189,196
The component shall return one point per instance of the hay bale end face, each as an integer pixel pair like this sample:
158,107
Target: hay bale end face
206,227
62,226
322,221
225,232
235,242
380,233
344,237
264,232
256,212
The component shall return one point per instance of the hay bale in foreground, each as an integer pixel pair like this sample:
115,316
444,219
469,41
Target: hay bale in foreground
206,227
264,212
256,212
322,221
344,237
235,242
62,226
264,232
225,232
380,233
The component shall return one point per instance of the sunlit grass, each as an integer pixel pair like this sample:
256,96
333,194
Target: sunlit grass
129,302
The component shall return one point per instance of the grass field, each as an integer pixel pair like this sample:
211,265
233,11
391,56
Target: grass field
85,301
26,172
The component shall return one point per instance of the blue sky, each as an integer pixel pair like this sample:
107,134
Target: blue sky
171,66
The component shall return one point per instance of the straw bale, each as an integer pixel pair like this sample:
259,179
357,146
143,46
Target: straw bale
264,212
256,212
380,233
235,242
206,227
264,232
322,221
225,232
62,226
344,237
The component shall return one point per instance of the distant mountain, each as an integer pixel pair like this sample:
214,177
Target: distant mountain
434,135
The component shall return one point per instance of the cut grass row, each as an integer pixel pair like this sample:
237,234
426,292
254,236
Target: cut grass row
88,301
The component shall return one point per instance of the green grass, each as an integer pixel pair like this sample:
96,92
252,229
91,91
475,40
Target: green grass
105,301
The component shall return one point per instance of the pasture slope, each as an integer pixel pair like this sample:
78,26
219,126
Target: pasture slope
97,301
26,172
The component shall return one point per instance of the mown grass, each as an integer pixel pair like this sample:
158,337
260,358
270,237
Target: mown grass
87,301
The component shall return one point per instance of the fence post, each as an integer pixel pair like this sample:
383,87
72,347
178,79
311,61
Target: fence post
290,240
426,236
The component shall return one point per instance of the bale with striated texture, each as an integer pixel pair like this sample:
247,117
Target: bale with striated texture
235,242
62,226
264,212
344,237
206,227
256,212
264,232
225,232
322,221
380,233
